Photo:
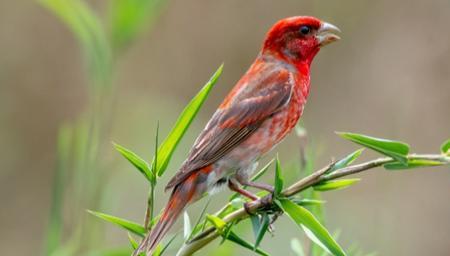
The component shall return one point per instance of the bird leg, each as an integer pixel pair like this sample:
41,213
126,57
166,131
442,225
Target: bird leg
233,185
265,201
262,186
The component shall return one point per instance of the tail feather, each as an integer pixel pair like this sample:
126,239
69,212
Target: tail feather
182,194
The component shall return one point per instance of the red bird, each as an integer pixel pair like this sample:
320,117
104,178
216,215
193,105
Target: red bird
257,114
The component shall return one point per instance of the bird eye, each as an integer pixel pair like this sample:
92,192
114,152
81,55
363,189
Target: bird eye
304,30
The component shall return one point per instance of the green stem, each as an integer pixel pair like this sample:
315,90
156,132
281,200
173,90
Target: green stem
149,211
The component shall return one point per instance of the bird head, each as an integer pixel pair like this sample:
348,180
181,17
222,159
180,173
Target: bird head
299,38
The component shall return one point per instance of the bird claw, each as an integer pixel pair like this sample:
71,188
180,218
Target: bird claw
267,200
273,218
247,208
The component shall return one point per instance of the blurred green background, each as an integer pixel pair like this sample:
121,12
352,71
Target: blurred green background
389,76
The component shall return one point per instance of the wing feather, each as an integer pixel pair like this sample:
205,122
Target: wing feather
257,100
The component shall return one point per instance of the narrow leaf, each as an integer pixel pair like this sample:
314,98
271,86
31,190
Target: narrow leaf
344,162
158,250
217,222
133,242
265,221
412,163
169,145
445,148
316,240
136,161
308,202
198,226
395,149
167,245
256,224
278,178
126,224
303,218
335,184
233,237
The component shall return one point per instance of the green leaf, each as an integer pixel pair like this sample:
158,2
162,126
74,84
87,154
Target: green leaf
278,179
445,148
395,149
136,161
312,227
217,222
262,229
158,250
412,163
161,252
318,211
233,237
198,226
126,224
256,224
169,145
133,242
344,162
308,202
335,184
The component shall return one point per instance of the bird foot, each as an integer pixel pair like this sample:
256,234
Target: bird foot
265,202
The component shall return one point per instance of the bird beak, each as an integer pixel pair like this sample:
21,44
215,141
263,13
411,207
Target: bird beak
325,34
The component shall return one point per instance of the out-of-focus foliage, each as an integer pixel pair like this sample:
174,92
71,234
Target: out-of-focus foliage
90,33
82,139
128,18
445,148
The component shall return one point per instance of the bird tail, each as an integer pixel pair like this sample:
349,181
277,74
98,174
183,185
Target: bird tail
182,194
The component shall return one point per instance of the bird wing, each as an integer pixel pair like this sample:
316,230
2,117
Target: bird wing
254,99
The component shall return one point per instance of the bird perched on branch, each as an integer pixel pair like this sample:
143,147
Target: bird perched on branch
257,114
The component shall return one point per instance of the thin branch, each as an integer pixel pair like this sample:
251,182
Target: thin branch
211,233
